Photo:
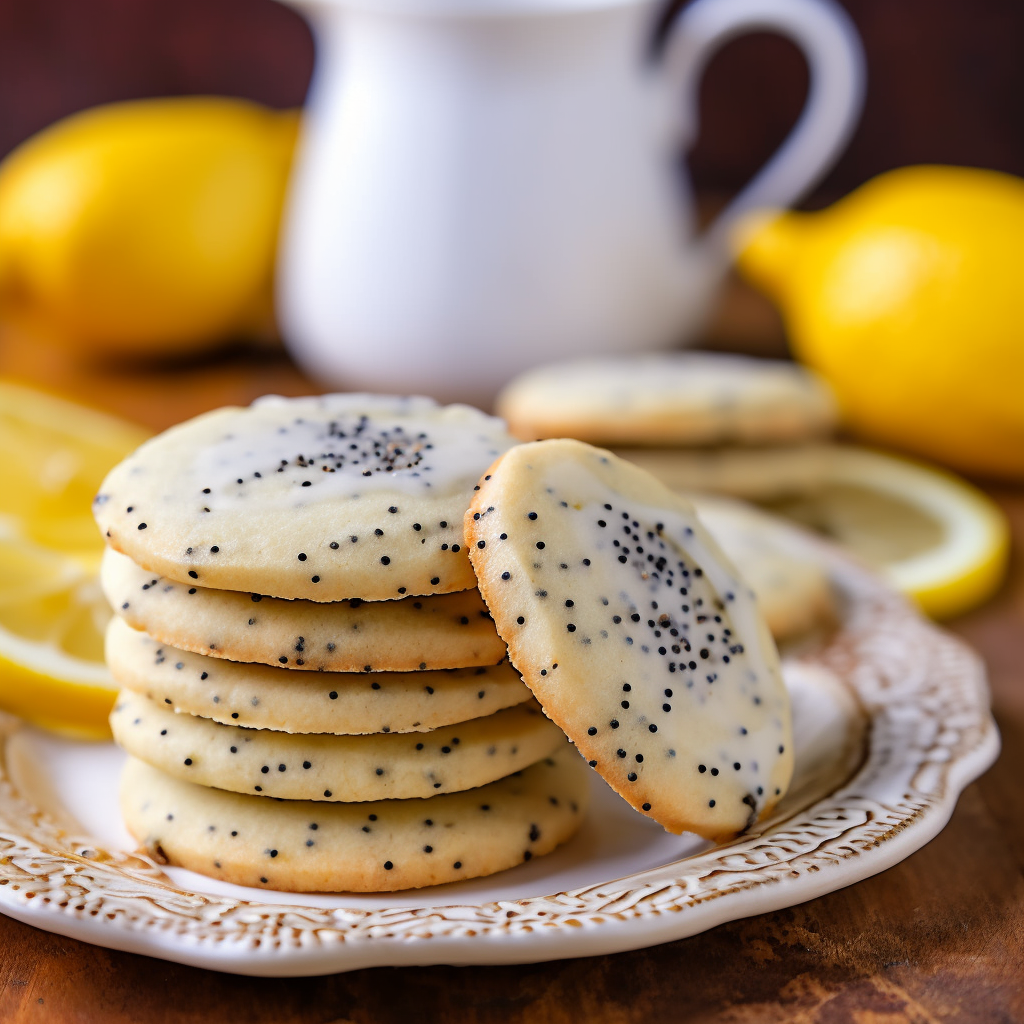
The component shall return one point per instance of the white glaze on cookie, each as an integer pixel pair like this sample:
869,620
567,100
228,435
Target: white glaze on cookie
636,634
329,498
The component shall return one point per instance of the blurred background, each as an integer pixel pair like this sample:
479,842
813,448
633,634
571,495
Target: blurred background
945,85
945,78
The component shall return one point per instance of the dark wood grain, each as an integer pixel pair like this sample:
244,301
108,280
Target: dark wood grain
939,937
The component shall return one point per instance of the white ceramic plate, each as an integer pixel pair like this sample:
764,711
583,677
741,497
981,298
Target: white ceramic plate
892,721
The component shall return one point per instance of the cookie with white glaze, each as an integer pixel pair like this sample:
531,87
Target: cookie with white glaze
316,766
343,703
792,588
416,633
301,846
636,634
326,498
670,399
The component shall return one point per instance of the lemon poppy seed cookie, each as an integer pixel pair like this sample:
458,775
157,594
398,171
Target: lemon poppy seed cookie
343,703
302,846
321,767
443,631
636,634
683,398
307,663
328,498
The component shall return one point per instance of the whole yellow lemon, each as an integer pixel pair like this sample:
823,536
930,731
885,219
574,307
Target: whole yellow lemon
908,296
146,227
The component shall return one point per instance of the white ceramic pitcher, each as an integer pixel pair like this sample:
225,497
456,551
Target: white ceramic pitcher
483,185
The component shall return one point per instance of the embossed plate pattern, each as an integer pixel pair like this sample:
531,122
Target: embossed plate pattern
928,734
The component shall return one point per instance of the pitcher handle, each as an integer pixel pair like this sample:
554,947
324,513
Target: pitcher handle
826,35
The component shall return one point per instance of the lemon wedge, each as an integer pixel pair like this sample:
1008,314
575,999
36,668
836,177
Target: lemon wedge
936,538
53,457
52,620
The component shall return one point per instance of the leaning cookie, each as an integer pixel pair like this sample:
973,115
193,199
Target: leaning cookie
342,703
674,399
636,634
417,633
792,587
321,767
325,498
300,846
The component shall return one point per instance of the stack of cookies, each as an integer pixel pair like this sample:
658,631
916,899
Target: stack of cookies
315,695
699,421
706,423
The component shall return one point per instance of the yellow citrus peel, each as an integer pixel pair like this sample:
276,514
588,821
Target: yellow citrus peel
937,538
908,297
53,455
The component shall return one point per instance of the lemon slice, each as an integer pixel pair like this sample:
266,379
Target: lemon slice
936,538
54,455
52,619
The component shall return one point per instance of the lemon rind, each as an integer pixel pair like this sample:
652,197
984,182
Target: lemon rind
961,573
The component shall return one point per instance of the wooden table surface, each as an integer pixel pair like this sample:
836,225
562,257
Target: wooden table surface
939,937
